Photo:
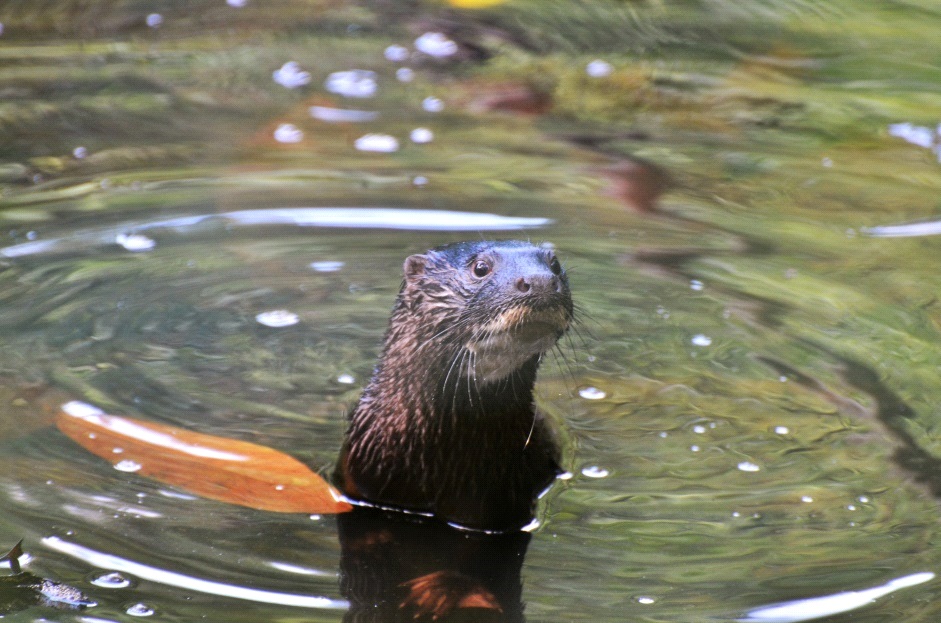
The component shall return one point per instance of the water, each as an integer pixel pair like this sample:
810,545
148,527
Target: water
745,197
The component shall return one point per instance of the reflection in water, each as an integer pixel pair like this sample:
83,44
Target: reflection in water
398,568
353,218
819,607
179,580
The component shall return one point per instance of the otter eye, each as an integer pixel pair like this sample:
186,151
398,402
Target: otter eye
554,265
481,269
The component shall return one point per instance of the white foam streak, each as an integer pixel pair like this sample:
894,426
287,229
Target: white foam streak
187,582
819,607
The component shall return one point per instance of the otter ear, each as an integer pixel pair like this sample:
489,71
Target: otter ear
415,266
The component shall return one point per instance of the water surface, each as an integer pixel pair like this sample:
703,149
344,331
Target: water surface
197,234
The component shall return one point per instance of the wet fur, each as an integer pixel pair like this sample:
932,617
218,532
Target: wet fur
447,424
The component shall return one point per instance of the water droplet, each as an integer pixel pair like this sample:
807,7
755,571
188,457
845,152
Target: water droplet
288,133
781,430
850,507
432,104
140,610
117,450
782,378
599,69
238,4
326,267
421,135
396,53
565,476
747,466
353,83
154,20
806,499
663,434
436,44
699,429
279,487
79,152
382,143
112,579
420,180
315,517
694,448
696,284
593,471
591,393
135,242
127,465
701,340
863,499
645,600
736,514
404,74
346,379
277,318
291,76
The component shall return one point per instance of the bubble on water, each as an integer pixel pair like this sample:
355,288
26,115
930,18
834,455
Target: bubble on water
863,499
699,429
436,44
352,83
135,242
404,74
806,499
238,4
291,76
341,115
377,142
420,180
396,53
696,284
79,152
593,471
645,600
748,466
591,393
288,133
421,135
112,579
140,610
850,507
663,434
782,430
327,266
277,318
346,379
432,104
127,465
599,69
694,448
154,20
701,340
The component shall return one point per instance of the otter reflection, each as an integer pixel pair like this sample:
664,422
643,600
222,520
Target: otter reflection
397,567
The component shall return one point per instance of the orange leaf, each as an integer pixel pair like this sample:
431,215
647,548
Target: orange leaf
221,469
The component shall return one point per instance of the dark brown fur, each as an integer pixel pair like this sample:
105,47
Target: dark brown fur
447,424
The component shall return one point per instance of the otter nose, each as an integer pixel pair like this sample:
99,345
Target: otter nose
541,283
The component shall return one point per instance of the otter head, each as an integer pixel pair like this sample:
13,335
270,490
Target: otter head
494,305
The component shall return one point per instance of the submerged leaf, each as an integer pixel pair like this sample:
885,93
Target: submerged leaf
237,472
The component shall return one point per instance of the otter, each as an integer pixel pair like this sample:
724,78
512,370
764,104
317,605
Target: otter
447,425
